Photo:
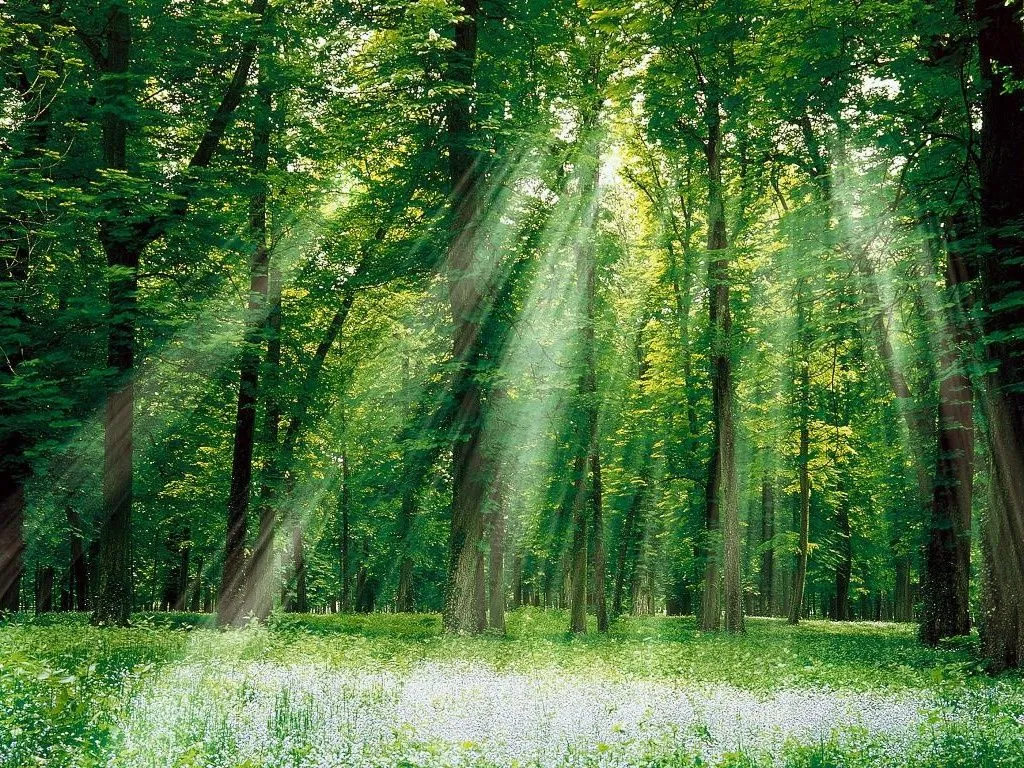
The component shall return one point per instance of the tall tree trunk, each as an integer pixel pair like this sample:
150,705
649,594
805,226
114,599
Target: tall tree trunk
578,558
195,603
404,595
903,598
588,434
16,323
600,593
796,598
1001,56
627,544
365,588
844,568
767,581
114,598
300,603
44,589
12,541
184,556
176,580
465,297
231,601
947,567
259,579
722,502
407,513
344,503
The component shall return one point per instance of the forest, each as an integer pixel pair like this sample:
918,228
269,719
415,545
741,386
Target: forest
512,383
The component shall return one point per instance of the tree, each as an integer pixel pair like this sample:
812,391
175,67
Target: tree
124,234
1001,54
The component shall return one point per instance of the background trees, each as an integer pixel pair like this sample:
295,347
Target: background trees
479,304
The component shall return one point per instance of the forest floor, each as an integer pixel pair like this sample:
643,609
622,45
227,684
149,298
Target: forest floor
392,690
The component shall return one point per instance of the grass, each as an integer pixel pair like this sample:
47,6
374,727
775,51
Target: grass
393,690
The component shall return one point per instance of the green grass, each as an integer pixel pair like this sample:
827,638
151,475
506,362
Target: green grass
72,694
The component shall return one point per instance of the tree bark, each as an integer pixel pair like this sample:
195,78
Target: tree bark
44,589
627,544
12,541
114,598
844,568
767,580
1001,57
259,579
903,602
344,504
407,513
587,493
404,602
796,599
300,603
600,593
195,598
465,298
366,590
578,558
947,567
721,483
231,600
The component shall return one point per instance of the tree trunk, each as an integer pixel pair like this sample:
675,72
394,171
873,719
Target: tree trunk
947,567
903,599
461,613
844,568
260,578
1001,56
600,595
767,580
627,543
44,589
344,508
480,589
195,599
176,580
404,602
407,513
231,601
12,541
184,556
519,590
586,494
300,604
796,598
721,483
711,603
578,561
114,598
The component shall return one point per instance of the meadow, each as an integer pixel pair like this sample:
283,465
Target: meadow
394,690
